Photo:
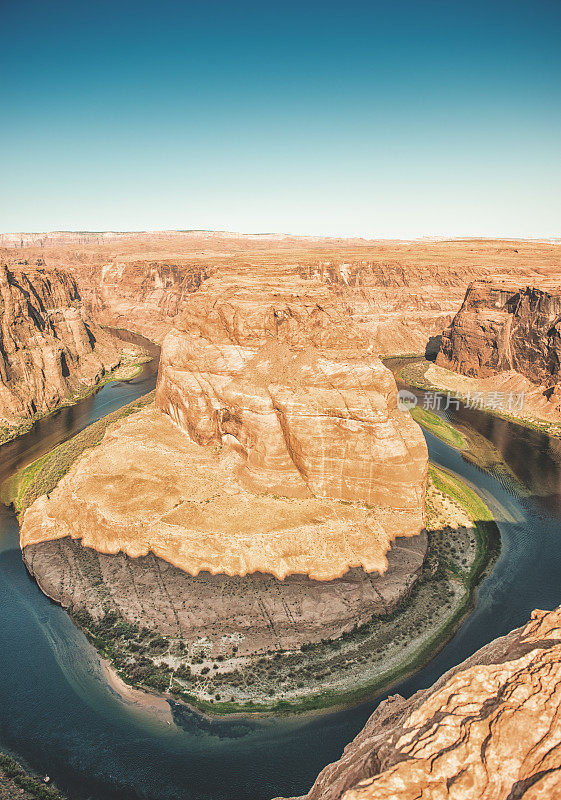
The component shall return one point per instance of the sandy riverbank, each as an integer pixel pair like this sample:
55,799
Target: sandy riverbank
148,701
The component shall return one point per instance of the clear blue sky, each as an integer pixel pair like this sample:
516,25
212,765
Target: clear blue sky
378,119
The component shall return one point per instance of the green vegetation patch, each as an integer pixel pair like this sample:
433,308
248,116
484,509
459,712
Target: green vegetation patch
9,432
43,475
438,427
488,536
458,490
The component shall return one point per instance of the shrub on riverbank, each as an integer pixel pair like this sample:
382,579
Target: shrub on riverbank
438,427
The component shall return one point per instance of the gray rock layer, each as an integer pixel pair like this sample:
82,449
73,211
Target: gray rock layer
268,613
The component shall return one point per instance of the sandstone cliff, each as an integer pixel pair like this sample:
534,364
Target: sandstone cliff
49,347
506,327
487,730
141,295
276,372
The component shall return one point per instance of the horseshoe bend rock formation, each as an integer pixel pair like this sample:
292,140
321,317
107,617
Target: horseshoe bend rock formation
487,730
49,347
275,454
504,326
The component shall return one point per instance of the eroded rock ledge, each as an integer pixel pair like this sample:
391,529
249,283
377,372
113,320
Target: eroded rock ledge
257,613
487,730
149,488
279,377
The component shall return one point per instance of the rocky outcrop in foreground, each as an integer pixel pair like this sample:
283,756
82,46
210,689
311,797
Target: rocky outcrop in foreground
487,730
506,327
49,347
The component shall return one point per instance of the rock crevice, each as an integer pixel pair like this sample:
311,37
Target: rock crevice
487,730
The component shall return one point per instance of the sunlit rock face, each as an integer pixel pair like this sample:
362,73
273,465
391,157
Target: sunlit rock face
401,294
149,488
504,326
487,730
49,347
288,383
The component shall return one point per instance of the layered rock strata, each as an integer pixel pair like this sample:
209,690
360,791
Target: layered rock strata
258,613
144,296
282,380
487,730
403,294
504,327
49,346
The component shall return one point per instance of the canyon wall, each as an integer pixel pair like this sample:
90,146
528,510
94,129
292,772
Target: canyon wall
144,296
398,309
49,346
402,294
504,327
487,730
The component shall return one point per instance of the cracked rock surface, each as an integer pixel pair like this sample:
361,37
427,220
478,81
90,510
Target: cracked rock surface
489,729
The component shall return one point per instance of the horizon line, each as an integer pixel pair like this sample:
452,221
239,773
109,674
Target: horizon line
283,234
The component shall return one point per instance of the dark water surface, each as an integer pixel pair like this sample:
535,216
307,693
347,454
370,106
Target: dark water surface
58,714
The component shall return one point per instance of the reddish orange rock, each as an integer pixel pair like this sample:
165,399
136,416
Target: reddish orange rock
49,346
487,730
505,326
402,294
288,455
281,376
